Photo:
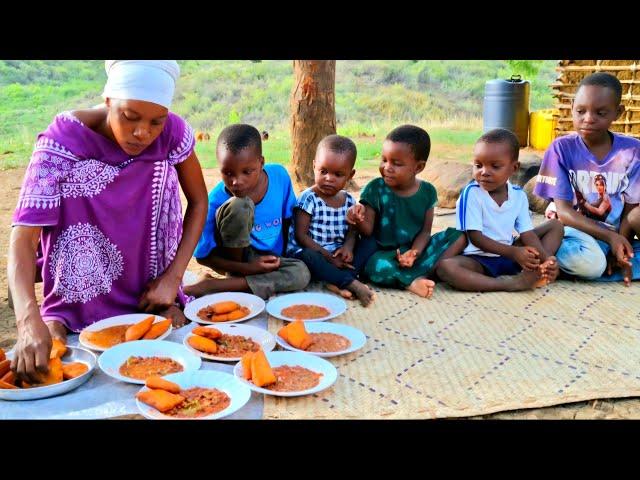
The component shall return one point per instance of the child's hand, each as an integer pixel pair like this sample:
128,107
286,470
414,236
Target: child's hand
549,269
264,264
339,262
527,257
345,254
625,266
355,214
407,258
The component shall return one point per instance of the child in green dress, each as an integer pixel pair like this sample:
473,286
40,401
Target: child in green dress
398,210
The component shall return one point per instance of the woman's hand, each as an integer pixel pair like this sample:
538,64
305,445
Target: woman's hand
31,353
160,293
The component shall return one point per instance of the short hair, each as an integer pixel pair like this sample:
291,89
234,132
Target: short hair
606,80
340,145
502,135
240,136
416,137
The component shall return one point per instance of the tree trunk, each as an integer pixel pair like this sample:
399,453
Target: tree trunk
313,114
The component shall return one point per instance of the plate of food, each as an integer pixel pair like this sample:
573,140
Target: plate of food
112,331
306,306
69,367
321,338
226,307
227,343
134,362
194,395
285,374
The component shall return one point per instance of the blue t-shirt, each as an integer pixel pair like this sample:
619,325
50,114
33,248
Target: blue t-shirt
276,206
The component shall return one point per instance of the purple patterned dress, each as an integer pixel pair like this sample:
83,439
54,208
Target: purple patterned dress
111,223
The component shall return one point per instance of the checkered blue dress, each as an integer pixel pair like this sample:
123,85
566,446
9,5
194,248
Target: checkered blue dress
328,227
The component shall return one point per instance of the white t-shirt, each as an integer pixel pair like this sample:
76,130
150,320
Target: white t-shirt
476,210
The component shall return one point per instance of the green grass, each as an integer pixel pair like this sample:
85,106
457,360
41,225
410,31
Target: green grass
372,96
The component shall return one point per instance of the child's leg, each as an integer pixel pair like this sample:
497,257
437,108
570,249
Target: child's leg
365,248
292,275
550,234
322,270
464,273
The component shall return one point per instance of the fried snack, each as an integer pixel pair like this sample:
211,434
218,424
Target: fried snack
157,329
261,373
4,366
224,307
211,333
158,383
9,378
58,349
137,330
296,335
246,365
202,344
6,385
73,370
235,315
2,355
54,375
161,400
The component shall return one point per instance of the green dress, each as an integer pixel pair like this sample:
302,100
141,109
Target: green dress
398,222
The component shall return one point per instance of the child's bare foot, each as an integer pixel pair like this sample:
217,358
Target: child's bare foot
201,287
340,291
526,280
422,287
363,292
549,270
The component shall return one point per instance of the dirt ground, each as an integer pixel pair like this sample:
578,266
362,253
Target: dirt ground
10,181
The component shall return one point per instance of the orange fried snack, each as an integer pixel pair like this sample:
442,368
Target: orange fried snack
225,307
235,315
58,349
2,355
261,373
157,329
54,375
6,385
161,400
156,382
211,333
73,370
203,344
246,365
4,366
137,330
296,335
9,378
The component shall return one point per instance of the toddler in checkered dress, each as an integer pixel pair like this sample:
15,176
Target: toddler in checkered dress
320,235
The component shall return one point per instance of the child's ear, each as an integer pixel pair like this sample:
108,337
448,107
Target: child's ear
420,166
516,166
353,172
261,161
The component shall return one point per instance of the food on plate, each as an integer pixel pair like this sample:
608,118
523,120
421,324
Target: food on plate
293,379
53,376
233,346
107,337
137,330
58,348
200,402
261,372
202,344
223,312
161,400
157,329
142,368
305,312
296,335
2,355
246,365
5,365
73,370
158,383
208,332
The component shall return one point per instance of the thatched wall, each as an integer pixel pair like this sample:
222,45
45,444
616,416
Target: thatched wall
571,72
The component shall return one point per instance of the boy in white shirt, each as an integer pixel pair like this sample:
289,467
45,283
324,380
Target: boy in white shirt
488,211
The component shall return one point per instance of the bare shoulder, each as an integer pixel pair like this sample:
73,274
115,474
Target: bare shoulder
91,117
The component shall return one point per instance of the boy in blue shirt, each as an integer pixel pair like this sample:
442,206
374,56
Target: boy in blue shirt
246,228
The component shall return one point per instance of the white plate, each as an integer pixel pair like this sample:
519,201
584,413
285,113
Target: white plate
129,318
254,303
224,382
112,359
263,338
73,354
336,305
277,359
355,336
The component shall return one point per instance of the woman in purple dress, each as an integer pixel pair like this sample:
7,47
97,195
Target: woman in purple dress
101,199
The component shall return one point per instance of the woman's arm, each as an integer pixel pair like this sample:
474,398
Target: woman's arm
162,291
34,340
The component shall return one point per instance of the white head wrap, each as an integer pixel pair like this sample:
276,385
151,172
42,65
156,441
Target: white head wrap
148,80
